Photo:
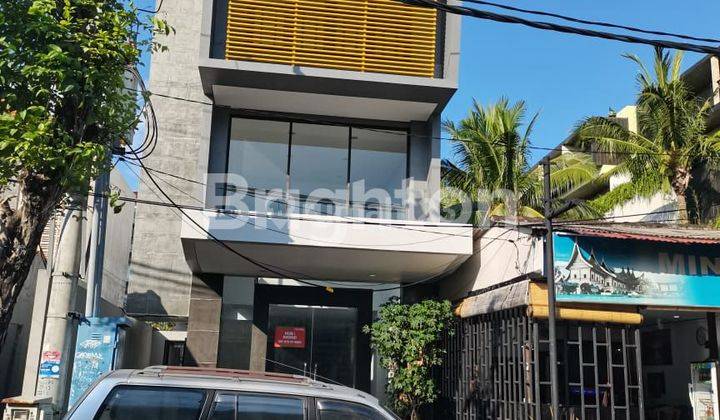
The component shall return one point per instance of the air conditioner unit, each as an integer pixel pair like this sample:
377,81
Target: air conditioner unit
27,408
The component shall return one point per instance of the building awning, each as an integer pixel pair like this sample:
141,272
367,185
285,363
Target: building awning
533,295
329,248
657,232
616,314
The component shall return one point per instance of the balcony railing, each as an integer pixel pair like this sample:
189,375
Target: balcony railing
382,36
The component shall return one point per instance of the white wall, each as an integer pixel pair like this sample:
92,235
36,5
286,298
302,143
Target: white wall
500,254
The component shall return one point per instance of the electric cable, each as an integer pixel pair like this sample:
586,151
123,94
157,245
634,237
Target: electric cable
152,11
593,22
305,119
497,17
215,238
237,216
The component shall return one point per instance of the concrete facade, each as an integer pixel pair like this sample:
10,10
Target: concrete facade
193,137
179,274
160,280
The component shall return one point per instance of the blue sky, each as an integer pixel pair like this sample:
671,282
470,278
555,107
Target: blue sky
564,77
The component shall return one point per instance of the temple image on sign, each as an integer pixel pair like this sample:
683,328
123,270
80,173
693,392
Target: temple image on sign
587,275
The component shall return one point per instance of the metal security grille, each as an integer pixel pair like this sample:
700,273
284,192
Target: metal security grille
383,36
497,367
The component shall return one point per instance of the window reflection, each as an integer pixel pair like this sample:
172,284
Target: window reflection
377,169
318,163
258,152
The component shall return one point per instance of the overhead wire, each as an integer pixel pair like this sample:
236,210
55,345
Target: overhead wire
307,119
548,26
593,22
151,11
215,239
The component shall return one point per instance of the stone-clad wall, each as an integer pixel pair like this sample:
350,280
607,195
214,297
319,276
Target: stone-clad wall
160,279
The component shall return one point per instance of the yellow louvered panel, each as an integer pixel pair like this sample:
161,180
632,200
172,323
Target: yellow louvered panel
382,36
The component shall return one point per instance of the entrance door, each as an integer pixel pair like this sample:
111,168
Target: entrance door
313,340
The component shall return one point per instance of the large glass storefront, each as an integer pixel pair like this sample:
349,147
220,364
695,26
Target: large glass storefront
318,341
299,167
315,333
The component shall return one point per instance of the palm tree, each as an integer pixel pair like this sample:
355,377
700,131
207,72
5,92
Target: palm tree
671,136
492,154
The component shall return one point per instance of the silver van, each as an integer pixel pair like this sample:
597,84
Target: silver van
184,393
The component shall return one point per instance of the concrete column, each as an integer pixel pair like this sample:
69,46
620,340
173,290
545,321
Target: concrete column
203,330
424,170
242,345
60,330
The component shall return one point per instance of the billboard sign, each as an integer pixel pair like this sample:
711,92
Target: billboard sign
636,272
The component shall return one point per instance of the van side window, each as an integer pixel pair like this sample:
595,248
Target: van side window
246,406
152,403
342,410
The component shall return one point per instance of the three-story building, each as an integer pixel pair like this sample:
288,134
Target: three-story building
309,132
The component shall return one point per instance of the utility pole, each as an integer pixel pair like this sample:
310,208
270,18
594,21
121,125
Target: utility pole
550,276
97,246
60,328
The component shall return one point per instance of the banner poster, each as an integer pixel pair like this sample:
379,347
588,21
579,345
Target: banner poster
636,272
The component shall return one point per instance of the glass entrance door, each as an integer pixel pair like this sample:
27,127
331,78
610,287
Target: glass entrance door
314,340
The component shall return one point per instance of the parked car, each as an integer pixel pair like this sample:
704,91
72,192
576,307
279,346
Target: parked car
184,393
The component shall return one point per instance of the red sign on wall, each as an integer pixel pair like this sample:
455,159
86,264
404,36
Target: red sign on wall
289,337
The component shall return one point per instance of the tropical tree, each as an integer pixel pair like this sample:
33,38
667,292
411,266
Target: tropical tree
671,136
63,104
492,164
407,339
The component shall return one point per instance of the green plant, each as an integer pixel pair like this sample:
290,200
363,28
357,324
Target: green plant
491,165
671,137
63,104
162,325
407,339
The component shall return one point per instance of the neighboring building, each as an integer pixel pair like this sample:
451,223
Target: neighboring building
27,325
621,352
313,103
703,79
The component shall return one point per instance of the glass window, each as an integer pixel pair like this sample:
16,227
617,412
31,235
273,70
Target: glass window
378,167
258,153
152,403
257,407
319,160
223,407
342,410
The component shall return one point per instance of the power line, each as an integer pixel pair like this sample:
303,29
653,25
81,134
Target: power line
215,238
306,119
152,11
485,15
266,267
594,22
252,193
248,221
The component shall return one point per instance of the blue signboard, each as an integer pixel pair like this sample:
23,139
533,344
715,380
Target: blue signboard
635,272
95,352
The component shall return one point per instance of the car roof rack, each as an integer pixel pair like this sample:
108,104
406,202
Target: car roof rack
237,374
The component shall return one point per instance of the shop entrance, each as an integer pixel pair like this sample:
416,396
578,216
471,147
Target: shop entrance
318,341
674,345
313,332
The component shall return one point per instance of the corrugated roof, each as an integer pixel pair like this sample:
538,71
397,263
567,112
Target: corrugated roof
658,232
